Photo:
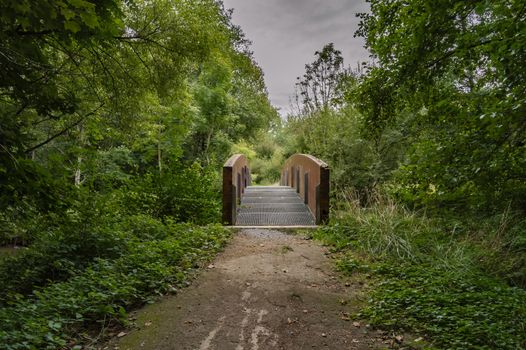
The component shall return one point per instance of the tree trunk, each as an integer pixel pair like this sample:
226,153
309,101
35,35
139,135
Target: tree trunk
159,151
78,171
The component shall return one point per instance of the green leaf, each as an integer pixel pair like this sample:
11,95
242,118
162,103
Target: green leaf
90,19
72,26
67,13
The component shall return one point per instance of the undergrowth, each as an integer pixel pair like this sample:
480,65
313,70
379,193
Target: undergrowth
457,284
151,258
113,245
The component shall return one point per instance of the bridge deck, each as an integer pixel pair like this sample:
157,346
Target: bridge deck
273,206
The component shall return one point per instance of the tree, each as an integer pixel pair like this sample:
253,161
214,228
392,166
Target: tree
87,83
318,88
450,75
329,126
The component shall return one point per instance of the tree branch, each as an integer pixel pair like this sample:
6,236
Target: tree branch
63,131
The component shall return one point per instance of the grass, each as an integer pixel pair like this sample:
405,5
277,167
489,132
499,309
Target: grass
455,283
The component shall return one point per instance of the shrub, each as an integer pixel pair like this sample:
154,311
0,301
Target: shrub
52,316
189,194
85,232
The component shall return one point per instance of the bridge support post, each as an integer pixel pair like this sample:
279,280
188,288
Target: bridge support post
236,177
229,197
324,200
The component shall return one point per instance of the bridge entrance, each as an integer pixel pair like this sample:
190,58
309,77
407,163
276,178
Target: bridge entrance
273,206
302,199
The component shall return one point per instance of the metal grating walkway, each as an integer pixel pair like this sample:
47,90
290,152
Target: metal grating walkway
273,206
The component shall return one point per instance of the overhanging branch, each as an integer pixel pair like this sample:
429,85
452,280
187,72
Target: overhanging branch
63,131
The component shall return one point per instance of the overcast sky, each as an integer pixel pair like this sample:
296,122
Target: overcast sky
286,33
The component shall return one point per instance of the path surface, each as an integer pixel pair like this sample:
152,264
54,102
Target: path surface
267,290
273,206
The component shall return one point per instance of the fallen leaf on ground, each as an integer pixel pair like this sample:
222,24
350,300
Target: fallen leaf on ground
148,324
121,334
356,324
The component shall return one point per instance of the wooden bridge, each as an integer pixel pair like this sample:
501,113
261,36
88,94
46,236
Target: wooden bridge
301,199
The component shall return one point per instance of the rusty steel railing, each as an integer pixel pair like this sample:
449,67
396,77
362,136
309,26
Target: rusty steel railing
236,177
310,177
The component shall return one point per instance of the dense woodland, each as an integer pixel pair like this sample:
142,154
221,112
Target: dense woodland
116,117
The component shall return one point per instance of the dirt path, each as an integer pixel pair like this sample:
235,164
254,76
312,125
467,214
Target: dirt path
267,290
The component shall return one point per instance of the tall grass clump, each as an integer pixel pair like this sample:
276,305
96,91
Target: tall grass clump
447,280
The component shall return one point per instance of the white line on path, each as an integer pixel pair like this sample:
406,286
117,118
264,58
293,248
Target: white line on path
205,345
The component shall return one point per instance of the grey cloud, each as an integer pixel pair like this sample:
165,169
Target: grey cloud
286,33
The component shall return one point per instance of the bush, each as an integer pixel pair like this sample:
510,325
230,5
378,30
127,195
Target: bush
189,194
336,137
265,158
19,224
52,316
66,246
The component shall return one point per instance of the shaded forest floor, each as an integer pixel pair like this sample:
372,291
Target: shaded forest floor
267,290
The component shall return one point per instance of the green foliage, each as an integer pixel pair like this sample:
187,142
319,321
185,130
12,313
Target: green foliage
336,138
459,99
65,246
19,223
265,156
469,311
266,167
437,121
186,194
96,93
29,31
443,279
267,171
152,262
119,99
328,125
116,245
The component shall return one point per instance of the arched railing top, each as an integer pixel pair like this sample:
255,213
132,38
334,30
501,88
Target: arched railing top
235,159
310,177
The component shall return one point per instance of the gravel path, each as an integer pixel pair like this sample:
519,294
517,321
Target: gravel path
267,290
